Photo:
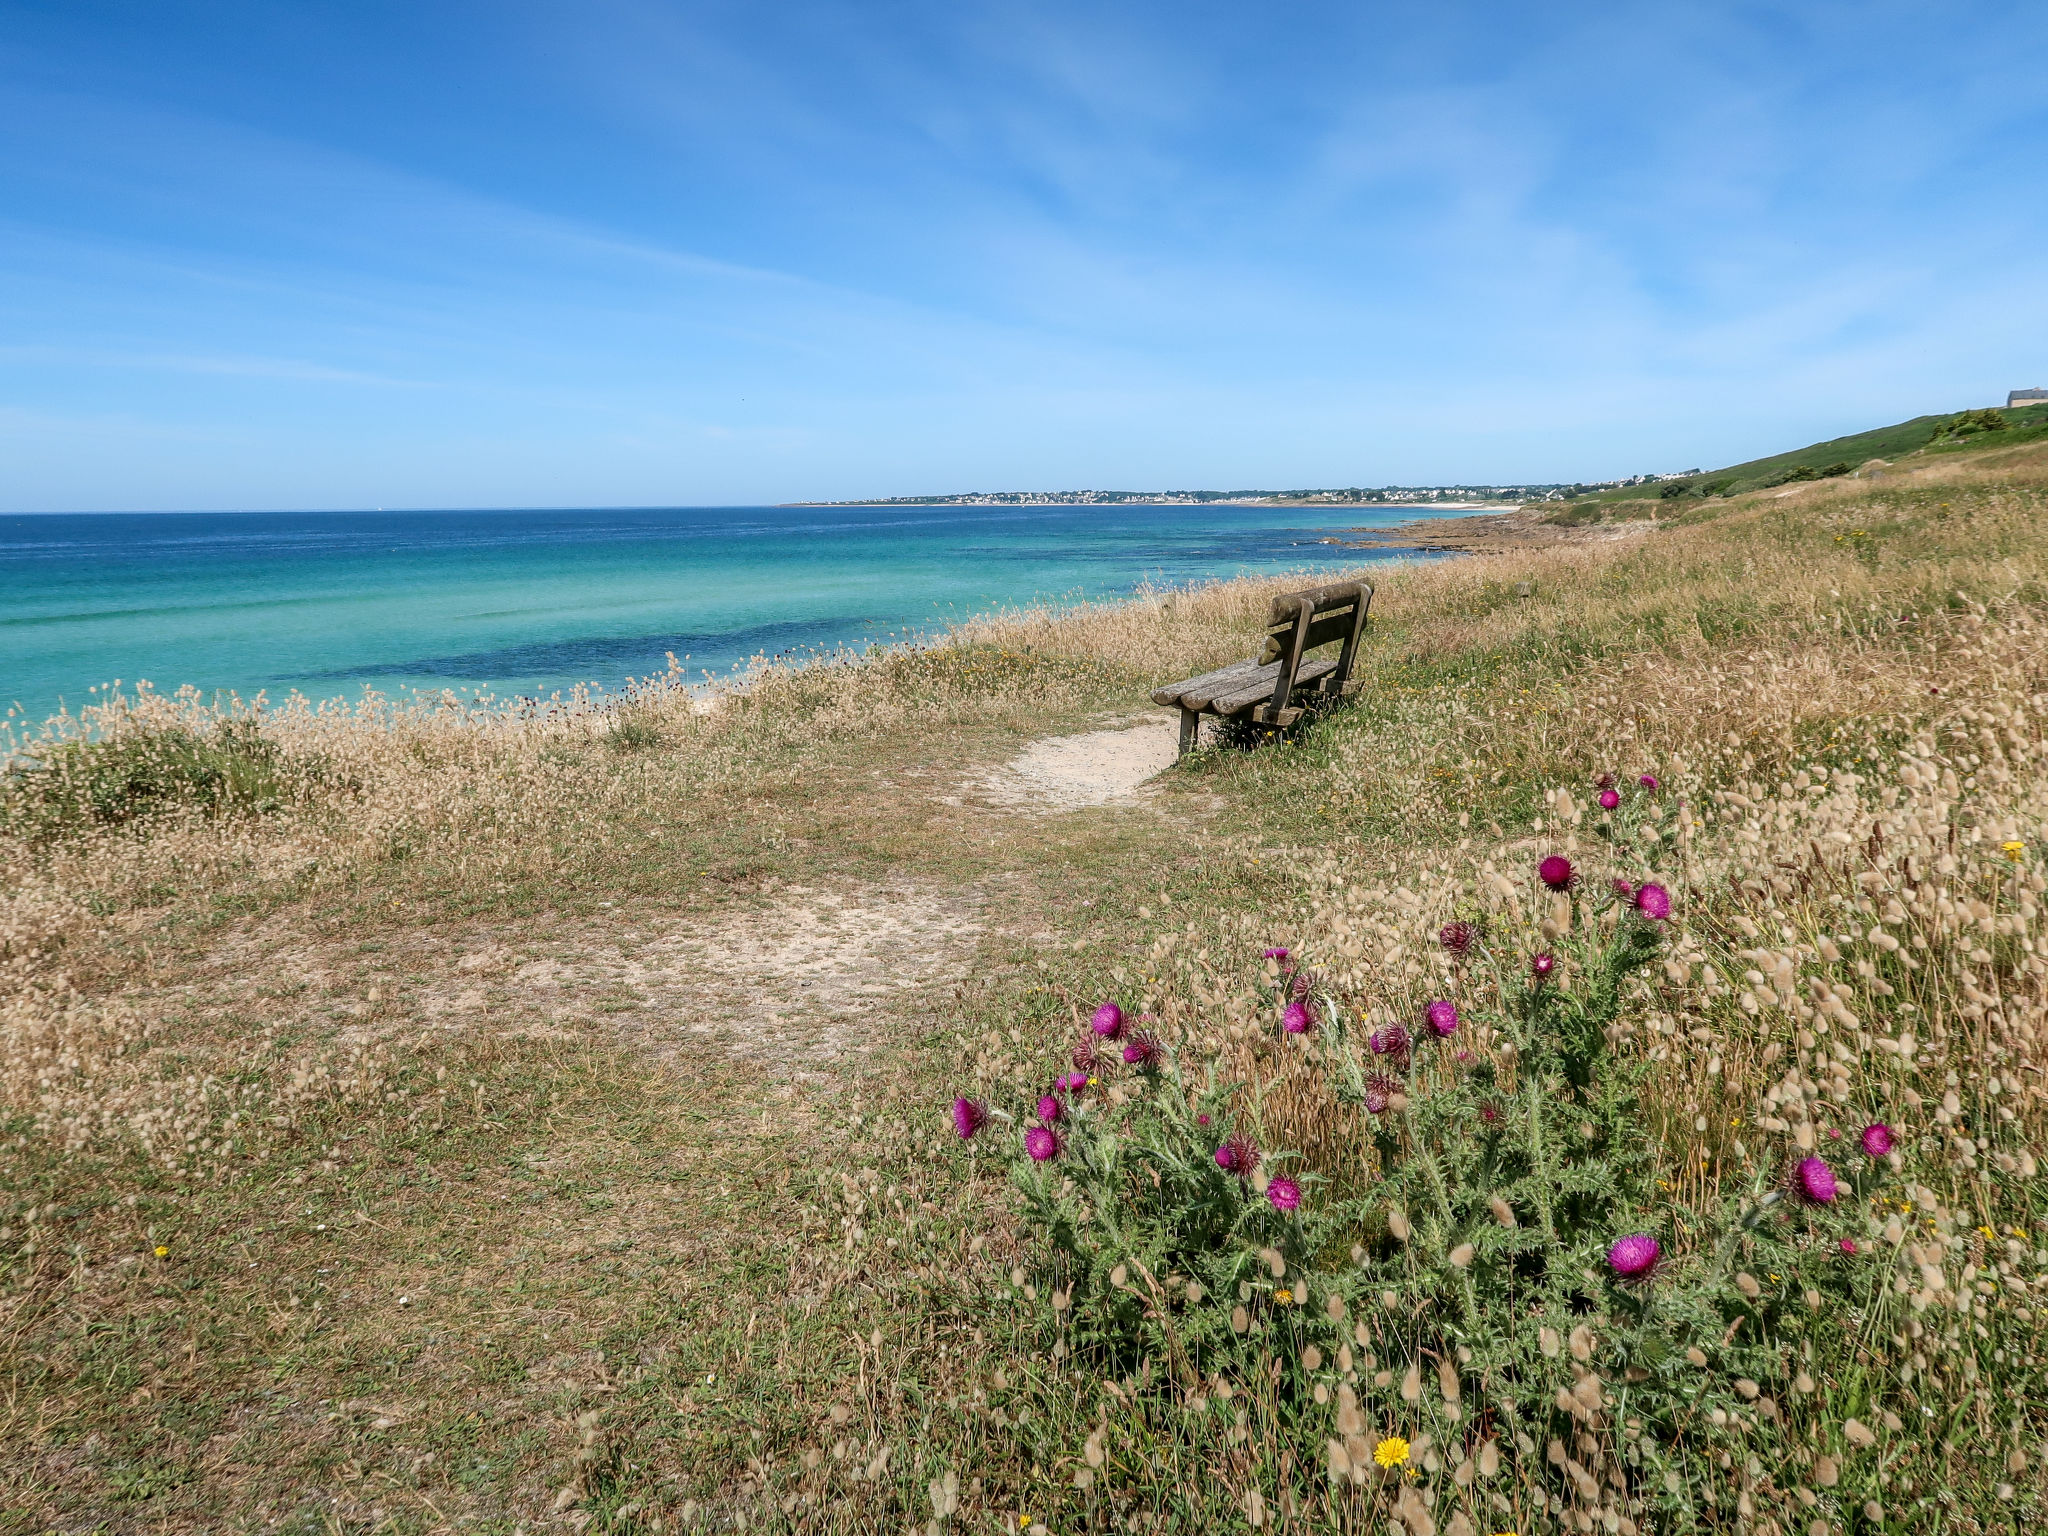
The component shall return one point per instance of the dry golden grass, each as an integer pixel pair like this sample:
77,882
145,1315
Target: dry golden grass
221,1031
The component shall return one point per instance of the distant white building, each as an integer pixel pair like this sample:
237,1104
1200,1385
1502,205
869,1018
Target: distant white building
2020,397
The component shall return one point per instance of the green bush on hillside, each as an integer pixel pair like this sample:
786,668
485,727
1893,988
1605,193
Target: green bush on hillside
231,770
1969,424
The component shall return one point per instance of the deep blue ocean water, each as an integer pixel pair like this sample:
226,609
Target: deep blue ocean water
535,602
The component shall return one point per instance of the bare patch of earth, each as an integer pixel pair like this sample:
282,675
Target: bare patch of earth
1067,773
798,983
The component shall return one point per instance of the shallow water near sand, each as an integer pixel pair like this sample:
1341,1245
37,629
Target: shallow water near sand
531,603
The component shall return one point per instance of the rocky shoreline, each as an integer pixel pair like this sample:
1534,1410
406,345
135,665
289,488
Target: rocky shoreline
1488,533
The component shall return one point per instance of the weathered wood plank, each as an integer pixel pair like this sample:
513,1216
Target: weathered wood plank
1326,629
1253,680
1259,690
1206,684
1320,599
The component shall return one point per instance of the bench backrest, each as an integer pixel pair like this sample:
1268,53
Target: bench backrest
1299,622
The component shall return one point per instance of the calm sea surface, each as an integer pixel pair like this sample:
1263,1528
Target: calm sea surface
528,603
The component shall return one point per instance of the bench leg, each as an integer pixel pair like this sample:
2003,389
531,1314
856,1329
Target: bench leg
1190,728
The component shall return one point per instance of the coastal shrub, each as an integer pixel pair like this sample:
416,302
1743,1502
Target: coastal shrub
1793,476
134,775
1969,424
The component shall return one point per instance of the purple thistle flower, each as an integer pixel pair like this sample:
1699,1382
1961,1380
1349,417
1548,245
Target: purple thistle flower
1050,1108
1238,1155
1605,781
1633,1256
1849,1245
969,1116
1074,1082
1043,1143
1543,965
1297,1020
1391,1041
1108,1022
1458,938
1277,952
1557,872
1142,1050
1816,1180
1654,902
1085,1057
1284,1194
1201,1119
1648,781
1489,1113
1443,1017
1300,987
1379,1092
1609,799
1876,1139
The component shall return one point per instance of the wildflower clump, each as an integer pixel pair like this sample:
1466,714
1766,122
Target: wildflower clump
1490,1248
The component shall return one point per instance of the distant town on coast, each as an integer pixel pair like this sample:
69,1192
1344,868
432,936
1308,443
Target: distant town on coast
1383,495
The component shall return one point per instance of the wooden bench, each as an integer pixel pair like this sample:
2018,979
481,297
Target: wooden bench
1263,689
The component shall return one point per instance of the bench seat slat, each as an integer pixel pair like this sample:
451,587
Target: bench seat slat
1253,679
1205,686
1258,693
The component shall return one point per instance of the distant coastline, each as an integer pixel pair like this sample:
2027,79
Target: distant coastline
1448,497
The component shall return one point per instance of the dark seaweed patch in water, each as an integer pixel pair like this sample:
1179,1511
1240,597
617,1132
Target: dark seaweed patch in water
615,655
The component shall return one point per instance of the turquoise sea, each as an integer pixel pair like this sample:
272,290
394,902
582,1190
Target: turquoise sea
534,602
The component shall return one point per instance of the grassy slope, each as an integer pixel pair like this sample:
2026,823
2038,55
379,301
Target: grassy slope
633,1298
1905,438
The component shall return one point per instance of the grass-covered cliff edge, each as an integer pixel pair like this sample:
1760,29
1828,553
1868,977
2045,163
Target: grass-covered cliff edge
421,1123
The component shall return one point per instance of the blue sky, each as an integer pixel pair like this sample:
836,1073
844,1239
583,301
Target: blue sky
631,252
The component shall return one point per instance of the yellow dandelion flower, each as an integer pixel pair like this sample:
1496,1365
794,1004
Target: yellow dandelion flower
2014,850
1391,1452
162,1252
1284,1297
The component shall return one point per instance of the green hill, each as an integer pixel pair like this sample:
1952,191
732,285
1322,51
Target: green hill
1959,432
